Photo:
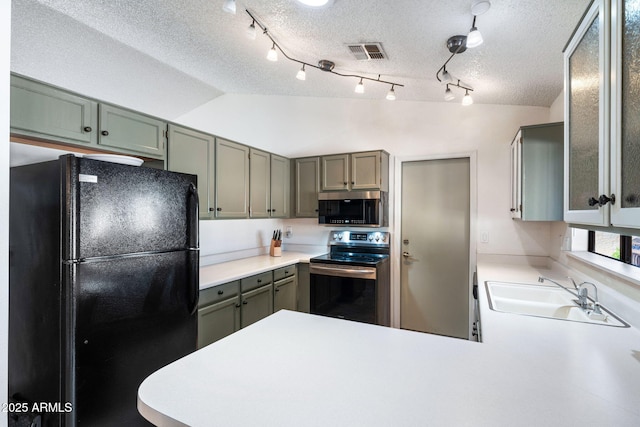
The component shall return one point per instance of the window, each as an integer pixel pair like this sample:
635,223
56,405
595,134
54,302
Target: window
616,246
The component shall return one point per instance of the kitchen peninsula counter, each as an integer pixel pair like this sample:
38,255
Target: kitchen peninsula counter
217,274
297,369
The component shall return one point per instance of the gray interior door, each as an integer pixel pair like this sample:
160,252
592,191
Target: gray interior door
435,288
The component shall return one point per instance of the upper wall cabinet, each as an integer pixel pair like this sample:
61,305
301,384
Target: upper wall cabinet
46,112
536,173
259,184
307,185
280,173
232,179
357,171
602,119
193,152
126,130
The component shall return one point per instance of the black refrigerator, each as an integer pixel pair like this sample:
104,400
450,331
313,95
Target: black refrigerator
103,287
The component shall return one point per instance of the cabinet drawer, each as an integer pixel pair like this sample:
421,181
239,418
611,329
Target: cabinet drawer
283,272
252,282
219,293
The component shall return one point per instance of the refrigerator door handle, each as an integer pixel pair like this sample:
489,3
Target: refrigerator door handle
193,217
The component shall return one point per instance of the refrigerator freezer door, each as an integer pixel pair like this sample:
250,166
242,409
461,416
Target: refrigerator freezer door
111,209
131,316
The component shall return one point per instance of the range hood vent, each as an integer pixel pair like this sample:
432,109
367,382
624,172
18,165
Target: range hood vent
367,51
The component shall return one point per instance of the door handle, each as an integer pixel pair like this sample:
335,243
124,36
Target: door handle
406,254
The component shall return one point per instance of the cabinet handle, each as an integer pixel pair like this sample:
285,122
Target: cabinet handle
259,280
286,272
211,209
273,210
276,290
353,182
87,129
105,133
603,199
245,302
219,209
220,292
593,201
345,183
237,305
512,209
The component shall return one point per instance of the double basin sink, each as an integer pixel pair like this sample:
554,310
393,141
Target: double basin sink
544,301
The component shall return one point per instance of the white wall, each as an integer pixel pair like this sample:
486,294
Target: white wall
296,127
5,43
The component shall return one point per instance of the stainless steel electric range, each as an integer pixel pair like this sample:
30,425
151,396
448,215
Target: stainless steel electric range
352,281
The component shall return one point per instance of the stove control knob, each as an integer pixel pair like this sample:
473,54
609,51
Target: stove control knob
377,237
340,236
335,236
384,237
370,237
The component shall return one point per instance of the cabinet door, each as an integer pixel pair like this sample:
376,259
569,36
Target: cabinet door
516,183
232,179
625,121
307,182
365,171
335,172
285,294
256,304
586,118
126,131
193,152
259,185
280,177
218,320
42,111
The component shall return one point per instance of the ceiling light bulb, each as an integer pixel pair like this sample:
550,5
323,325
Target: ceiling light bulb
314,3
273,54
229,6
391,95
448,94
467,100
360,87
251,31
302,75
446,77
474,38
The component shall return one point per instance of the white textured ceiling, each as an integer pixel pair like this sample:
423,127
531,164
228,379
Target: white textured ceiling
168,57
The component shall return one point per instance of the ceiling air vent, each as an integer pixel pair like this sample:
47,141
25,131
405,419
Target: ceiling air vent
367,51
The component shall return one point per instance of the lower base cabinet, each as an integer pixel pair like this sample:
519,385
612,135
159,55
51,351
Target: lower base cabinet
226,308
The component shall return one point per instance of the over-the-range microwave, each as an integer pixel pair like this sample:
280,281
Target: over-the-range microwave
349,208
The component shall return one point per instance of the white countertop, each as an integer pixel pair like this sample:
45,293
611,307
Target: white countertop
296,369
217,274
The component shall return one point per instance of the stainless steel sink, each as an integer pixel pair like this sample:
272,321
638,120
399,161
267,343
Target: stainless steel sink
544,301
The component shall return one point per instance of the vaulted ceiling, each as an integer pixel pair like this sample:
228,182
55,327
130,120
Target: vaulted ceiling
175,55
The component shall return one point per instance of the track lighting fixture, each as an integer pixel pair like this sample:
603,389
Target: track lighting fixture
458,44
251,30
466,99
391,95
272,55
448,94
302,74
323,65
229,6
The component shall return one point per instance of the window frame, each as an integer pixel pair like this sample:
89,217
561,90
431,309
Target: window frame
625,248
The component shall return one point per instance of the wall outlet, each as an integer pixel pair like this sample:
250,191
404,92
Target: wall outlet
484,237
288,233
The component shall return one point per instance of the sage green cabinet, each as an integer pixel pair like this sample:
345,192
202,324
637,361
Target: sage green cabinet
279,187
285,292
307,186
193,152
256,298
537,167
367,170
45,112
304,287
128,131
218,312
259,183
335,172
231,179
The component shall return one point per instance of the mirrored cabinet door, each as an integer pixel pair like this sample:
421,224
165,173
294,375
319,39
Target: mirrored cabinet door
626,114
586,116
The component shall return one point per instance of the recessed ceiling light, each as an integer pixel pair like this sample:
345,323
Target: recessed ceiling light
316,3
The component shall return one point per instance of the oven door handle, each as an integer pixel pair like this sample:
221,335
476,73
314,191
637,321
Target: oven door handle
343,272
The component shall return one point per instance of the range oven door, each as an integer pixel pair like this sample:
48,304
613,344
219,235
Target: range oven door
343,291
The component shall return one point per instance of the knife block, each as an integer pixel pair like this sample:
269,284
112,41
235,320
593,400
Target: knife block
276,248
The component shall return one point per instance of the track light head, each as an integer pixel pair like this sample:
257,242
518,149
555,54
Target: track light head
474,39
448,94
229,6
359,87
391,95
467,100
302,74
251,31
272,55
